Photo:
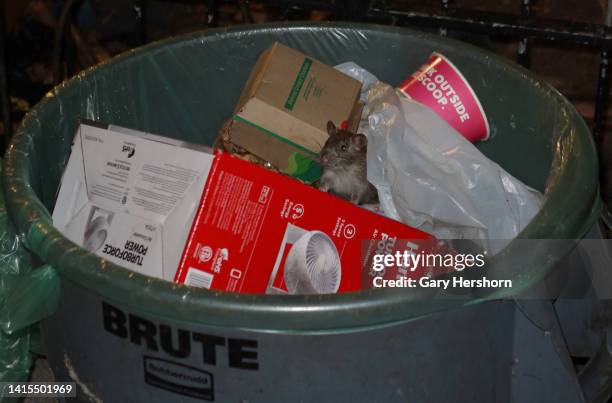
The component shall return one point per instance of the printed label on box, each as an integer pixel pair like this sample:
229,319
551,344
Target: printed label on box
257,231
129,196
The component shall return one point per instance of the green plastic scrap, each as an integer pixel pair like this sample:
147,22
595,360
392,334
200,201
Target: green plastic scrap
303,168
33,298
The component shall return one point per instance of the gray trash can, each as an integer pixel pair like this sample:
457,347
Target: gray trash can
124,337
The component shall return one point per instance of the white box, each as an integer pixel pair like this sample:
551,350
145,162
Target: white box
130,197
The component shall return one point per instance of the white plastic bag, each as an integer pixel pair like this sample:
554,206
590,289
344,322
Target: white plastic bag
432,178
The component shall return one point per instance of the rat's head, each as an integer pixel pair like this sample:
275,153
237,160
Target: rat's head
342,147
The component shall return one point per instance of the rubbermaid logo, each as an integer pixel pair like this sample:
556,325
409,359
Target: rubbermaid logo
179,378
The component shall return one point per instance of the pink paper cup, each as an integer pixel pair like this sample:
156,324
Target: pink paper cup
439,85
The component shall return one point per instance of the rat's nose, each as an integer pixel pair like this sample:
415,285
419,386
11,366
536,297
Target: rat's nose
324,159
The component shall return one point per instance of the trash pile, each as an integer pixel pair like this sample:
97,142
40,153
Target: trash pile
317,171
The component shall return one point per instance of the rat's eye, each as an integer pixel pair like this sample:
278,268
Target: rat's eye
343,148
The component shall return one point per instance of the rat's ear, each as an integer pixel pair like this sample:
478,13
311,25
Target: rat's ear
360,141
332,130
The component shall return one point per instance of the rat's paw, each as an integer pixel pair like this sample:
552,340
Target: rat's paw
323,186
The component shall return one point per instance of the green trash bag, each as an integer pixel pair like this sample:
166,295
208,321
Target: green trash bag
26,296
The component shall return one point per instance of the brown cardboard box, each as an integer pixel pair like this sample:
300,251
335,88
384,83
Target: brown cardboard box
285,105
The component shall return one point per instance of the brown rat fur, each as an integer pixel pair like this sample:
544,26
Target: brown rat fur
344,166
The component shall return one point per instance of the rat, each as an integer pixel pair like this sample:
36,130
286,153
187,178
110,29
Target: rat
343,158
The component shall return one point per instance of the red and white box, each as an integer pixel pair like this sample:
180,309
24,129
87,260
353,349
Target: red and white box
257,231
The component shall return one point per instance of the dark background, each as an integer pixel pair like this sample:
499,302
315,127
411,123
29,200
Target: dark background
103,28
